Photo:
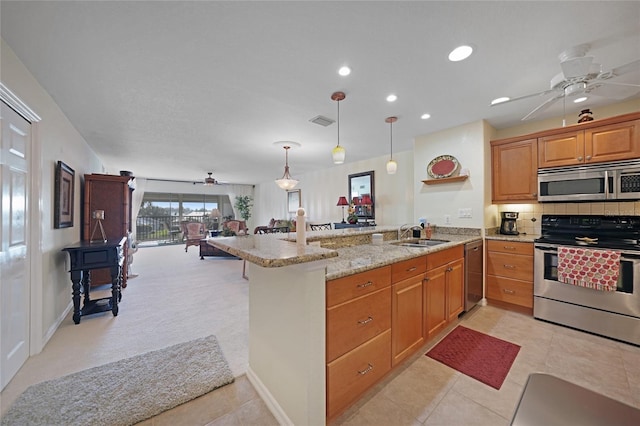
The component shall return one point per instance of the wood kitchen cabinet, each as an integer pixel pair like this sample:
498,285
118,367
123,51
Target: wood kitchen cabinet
514,171
407,308
443,289
358,336
613,142
111,194
509,277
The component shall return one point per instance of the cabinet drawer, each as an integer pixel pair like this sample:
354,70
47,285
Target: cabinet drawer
342,289
355,372
510,266
510,247
352,323
408,268
510,291
445,256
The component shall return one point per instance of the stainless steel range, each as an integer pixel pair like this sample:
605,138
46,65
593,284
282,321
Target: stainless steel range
614,314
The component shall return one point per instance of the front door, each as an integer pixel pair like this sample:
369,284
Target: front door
15,142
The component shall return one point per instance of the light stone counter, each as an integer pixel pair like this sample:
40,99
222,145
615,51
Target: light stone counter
522,238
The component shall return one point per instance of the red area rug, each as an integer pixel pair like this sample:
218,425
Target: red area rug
478,355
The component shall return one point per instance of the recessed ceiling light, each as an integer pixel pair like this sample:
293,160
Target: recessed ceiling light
425,116
581,99
460,53
392,98
499,100
344,71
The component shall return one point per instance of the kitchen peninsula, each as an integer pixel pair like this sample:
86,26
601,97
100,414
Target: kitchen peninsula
288,304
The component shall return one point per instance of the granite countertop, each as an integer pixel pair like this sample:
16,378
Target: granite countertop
523,238
277,250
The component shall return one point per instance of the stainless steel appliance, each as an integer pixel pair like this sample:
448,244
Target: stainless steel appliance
473,274
508,223
614,314
597,182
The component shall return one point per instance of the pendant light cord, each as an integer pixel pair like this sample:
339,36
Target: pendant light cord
391,139
338,102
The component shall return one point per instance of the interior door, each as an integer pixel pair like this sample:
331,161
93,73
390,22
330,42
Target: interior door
14,261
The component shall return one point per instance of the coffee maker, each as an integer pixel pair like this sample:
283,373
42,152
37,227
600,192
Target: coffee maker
508,225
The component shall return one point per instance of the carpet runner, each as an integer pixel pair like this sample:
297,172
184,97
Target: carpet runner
478,355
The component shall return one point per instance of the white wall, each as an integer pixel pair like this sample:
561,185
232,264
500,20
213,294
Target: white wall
56,139
434,202
320,192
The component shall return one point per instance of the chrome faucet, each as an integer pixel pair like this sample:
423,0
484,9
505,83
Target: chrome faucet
403,232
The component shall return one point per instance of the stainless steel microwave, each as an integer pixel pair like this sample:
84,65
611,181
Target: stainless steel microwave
598,182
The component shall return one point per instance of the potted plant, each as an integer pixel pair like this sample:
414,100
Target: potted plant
243,205
352,218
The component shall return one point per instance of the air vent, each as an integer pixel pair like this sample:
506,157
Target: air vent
322,120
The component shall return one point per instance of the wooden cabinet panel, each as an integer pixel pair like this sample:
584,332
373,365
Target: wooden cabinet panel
514,171
342,289
510,265
510,247
561,150
408,268
407,318
510,291
352,374
619,141
445,256
435,296
455,289
352,323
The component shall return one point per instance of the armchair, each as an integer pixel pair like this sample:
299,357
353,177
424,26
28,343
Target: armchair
195,231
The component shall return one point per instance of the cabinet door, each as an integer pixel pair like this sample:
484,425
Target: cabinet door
514,171
455,289
514,266
614,142
407,318
435,303
565,149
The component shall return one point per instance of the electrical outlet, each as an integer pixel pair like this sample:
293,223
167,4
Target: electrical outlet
447,219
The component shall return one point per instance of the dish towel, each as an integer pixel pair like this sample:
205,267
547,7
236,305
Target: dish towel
596,269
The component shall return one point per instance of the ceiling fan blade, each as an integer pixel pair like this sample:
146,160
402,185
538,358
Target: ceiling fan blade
576,67
621,70
611,90
546,104
546,92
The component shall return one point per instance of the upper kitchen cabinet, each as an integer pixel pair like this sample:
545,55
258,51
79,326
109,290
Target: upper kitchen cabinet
597,143
514,171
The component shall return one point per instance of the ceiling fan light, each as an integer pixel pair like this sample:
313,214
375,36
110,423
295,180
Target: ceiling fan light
499,100
460,53
392,167
209,180
338,154
580,99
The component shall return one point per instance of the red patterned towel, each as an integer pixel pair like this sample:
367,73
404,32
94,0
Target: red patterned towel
596,269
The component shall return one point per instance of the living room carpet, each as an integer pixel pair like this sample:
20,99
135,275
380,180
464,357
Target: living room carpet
125,392
478,355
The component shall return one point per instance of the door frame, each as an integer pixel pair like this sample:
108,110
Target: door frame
34,191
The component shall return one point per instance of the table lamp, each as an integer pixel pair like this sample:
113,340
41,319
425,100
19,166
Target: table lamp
342,201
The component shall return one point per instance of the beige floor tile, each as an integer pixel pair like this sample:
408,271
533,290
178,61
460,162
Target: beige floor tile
200,411
380,411
255,413
239,392
502,402
227,420
457,409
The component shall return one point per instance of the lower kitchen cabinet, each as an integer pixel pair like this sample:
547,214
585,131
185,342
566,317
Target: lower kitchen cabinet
443,289
509,277
407,308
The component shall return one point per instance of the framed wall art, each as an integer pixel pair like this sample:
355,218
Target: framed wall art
63,199
294,201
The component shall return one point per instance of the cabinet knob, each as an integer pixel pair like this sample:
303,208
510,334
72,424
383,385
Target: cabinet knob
579,158
508,291
363,285
449,269
509,266
366,370
588,157
413,268
367,321
508,247
535,194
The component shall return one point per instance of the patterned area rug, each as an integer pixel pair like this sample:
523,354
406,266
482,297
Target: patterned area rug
125,392
478,355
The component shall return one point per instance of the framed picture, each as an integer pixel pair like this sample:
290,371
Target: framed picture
63,200
293,201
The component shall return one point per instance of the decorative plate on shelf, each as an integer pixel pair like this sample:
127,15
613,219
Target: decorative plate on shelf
442,166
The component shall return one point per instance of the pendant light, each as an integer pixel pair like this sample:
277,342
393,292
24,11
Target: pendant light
392,166
286,182
338,153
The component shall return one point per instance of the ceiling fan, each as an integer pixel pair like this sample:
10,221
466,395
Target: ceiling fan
580,76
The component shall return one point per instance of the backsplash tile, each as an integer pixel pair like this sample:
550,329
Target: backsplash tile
530,215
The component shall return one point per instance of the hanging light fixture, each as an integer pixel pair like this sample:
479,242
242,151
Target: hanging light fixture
209,181
338,153
392,166
286,182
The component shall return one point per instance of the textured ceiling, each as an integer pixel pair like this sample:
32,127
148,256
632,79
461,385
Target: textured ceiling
174,90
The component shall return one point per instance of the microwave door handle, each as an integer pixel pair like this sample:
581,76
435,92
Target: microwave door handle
607,193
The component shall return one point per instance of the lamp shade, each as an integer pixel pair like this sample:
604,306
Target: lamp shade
338,154
366,200
216,213
342,201
392,167
356,201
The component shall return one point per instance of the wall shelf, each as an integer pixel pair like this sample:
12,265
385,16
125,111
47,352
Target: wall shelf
444,180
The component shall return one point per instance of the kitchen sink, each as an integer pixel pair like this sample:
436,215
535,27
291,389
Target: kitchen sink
419,243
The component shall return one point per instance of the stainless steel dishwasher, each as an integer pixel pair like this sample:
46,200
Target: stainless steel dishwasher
472,274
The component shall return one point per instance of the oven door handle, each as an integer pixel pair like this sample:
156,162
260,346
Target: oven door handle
546,249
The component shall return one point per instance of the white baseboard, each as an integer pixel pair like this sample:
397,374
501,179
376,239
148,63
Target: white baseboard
268,399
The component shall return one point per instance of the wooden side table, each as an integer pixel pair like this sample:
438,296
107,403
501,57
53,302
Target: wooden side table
209,250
